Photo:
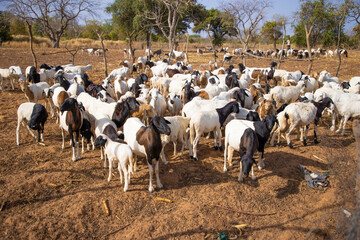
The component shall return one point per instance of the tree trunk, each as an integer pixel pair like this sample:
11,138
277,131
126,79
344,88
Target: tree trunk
283,45
274,43
338,43
148,40
211,42
308,33
186,48
131,48
29,26
55,42
103,48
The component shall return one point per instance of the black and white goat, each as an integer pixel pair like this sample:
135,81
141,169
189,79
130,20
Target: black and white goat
35,115
204,122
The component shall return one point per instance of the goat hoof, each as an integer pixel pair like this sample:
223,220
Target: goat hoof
196,159
216,148
240,180
254,179
304,142
316,141
151,190
290,146
221,149
160,186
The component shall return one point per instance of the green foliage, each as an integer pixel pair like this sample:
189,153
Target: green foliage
124,15
219,23
4,28
324,16
17,27
271,31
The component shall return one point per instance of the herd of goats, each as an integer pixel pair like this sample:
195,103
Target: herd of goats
171,101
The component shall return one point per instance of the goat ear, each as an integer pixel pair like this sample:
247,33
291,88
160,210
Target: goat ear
167,121
246,94
136,102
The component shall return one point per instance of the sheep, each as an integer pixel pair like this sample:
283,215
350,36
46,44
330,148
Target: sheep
178,126
244,140
204,122
146,141
174,104
77,69
117,152
71,120
299,114
289,94
157,101
35,115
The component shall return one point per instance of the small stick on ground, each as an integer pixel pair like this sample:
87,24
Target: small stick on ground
241,212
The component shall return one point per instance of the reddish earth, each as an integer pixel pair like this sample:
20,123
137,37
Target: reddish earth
43,194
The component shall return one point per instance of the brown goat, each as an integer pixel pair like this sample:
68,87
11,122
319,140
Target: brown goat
289,83
256,93
145,113
203,94
172,72
266,107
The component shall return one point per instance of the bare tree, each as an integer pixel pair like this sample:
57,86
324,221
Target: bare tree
53,15
166,15
247,15
354,14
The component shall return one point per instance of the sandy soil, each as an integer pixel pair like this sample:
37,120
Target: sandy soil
44,195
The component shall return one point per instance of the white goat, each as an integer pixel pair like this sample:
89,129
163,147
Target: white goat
122,73
288,94
157,101
174,104
178,126
117,152
77,69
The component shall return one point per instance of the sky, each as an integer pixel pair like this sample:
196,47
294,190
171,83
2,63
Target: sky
286,8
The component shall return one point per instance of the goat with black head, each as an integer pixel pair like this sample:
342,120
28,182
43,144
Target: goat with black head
71,120
36,116
146,141
189,92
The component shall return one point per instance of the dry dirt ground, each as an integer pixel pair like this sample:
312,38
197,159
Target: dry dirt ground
44,195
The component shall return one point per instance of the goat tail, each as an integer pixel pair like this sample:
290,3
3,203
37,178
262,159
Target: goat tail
283,118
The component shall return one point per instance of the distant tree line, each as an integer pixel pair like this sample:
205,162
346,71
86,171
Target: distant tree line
166,20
